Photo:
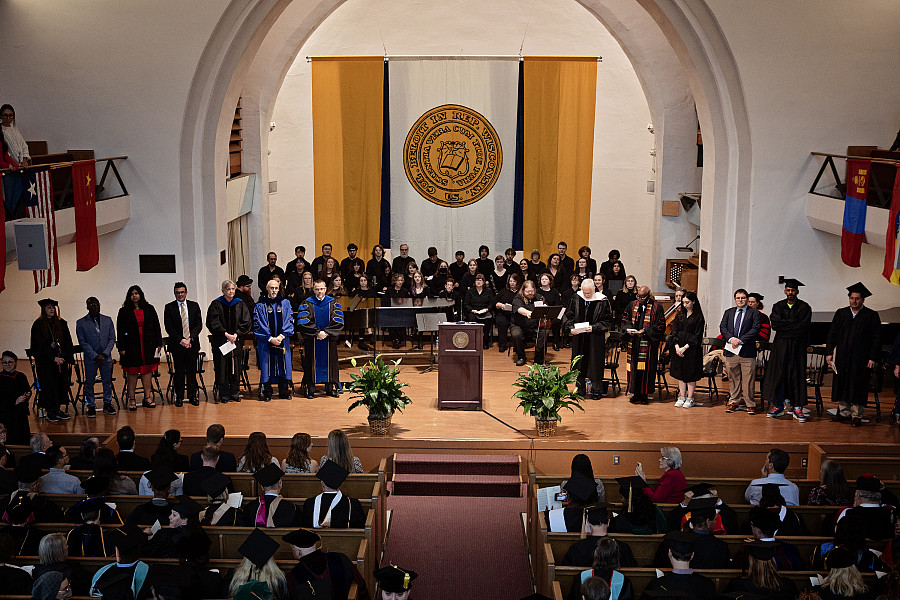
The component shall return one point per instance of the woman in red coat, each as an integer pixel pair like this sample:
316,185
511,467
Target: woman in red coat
139,343
671,486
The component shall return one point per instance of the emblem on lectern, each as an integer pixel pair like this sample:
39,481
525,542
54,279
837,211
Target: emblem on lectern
460,339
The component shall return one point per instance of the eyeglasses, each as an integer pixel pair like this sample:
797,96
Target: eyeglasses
7,116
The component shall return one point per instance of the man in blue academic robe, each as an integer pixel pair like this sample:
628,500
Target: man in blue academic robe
273,327
320,320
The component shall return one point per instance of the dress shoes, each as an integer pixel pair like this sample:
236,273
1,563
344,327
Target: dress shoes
857,422
520,362
310,391
179,402
194,401
839,418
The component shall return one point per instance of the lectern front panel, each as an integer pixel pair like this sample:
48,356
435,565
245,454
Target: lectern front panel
461,360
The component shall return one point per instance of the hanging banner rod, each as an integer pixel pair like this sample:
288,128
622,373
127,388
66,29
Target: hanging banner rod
454,57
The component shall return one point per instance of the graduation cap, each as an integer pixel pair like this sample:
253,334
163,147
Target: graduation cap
597,515
792,283
29,472
702,508
759,297
699,489
393,579
48,302
186,507
840,558
868,483
90,505
253,590
580,486
627,487
215,484
95,485
762,550
161,477
302,538
258,548
332,474
268,475
764,519
680,541
860,289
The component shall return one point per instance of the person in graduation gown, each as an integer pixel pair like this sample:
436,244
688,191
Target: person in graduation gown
15,580
581,493
394,583
273,327
710,552
843,581
581,553
332,508
15,391
219,512
183,524
606,560
786,369
331,572
503,317
850,533
95,488
91,538
159,508
726,518
682,578
19,516
127,577
638,515
270,509
791,523
869,509
589,306
52,349
524,327
257,567
228,319
762,577
44,510
644,318
763,525
550,296
320,320
686,365
852,350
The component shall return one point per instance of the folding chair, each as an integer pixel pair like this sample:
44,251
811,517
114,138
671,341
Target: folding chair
611,362
763,350
815,375
709,371
661,363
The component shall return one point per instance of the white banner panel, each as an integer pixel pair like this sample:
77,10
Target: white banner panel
451,154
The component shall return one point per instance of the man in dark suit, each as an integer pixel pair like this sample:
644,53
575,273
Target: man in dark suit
39,444
193,481
739,328
97,335
127,459
215,435
183,323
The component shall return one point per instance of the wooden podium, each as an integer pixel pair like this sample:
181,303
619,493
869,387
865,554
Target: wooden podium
461,360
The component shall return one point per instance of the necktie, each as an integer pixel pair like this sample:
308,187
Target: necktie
185,327
738,321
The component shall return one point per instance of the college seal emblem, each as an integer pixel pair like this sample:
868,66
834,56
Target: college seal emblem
452,155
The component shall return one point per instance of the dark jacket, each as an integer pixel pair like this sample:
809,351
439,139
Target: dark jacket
129,341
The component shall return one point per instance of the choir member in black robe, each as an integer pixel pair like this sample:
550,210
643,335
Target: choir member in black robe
377,264
502,315
852,349
228,319
15,391
524,327
581,553
321,571
332,508
786,369
682,578
320,320
270,509
485,264
589,306
159,508
645,327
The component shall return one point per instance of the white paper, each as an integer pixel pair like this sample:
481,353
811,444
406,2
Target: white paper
112,505
538,303
557,520
879,574
27,568
658,573
226,348
156,527
507,307
235,499
562,312
732,349
546,498
814,580
661,298
581,327
631,330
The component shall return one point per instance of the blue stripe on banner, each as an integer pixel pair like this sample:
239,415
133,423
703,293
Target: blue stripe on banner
384,229
854,215
519,189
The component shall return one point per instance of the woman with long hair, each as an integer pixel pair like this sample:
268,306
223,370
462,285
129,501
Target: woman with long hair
762,575
167,453
833,489
686,365
550,296
843,581
337,287
556,271
376,264
625,296
477,306
298,460
339,451
140,344
418,288
500,275
605,565
256,454
259,564
107,465
581,463
53,352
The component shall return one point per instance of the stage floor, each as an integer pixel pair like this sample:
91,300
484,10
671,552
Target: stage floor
607,420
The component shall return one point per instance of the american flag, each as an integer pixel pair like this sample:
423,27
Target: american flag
39,204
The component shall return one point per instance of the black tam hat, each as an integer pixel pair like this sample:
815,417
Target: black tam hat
393,579
859,288
48,302
332,474
792,283
268,475
258,548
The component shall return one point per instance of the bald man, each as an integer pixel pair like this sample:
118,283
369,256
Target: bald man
644,324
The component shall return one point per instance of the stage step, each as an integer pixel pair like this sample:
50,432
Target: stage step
473,475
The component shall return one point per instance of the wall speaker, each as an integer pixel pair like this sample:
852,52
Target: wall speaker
31,244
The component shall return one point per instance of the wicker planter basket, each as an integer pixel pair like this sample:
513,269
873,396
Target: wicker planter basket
380,425
545,428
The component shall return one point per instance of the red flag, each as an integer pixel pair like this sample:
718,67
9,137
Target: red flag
40,206
87,251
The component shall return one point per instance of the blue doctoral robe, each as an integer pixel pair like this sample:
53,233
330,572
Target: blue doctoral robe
273,317
320,360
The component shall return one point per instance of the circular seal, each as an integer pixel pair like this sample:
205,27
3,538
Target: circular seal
452,155
460,339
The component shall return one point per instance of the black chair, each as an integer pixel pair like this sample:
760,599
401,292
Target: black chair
611,362
763,350
816,368
710,369
876,386
80,378
70,399
201,369
662,363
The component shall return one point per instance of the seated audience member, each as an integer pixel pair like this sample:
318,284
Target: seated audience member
726,518
606,561
332,508
167,453
57,481
90,537
639,515
39,443
29,480
215,436
84,460
7,162
20,516
671,485
50,586
594,588
15,391
762,575
16,580
394,583
258,564
273,328
127,577
581,553
193,558
13,138
193,481
107,466
298,460
329,574
256,454
159,508
54,555
763,525
340,452
8,483
524,328
832,489
219,511
682,578
95,488
849,534
868,509
773,469
581,493
843,580
183,523
270,509
127,459
791,523
581,463
709,551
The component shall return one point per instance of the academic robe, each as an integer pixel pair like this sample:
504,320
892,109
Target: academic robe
108,515
26,540
697,587
709,553
347,512
15,580
145,515
119,582
92,540
726,517
787,362
320,360
687,331
597,312
229,516
285,513
643,351
875,521
787,558
224,317
852,343
312,569
273,317
45,347
44,510
787,591
614,578
581,553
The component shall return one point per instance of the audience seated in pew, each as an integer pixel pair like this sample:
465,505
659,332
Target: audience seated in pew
57,481
167,453
84,460
218,512
215,435
763,525
106,465
581,493
709,552
128,460
54,556
726,518
8,483
331,508
773,469
259,564
193,481
29,480
183,524
340,452
581,553
849,534
19,516
843,581
791,523
159,508
39,443
51,586
256,454
270,509
833,489
298,460
682,578
639,515
606,559
90,537
94,487
16,580
127,577
762,575
582,463
327,574
869,509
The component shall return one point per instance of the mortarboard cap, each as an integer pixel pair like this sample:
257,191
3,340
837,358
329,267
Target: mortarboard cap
859,288
597,515
29,472
702,508
762,550
95,485
792,283
90,505
680,541
258,548
699,489
764,519
302,538
759,297
628,486
48,302
215,484
160,478
332,474
186,507
840,558
581,487
393,579
268,475
253,590
243,280
868,483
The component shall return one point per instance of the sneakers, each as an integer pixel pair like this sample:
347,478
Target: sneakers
680,402
91,412
799,415
731,407
62,416
775,412
688,402
51,417
109,409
